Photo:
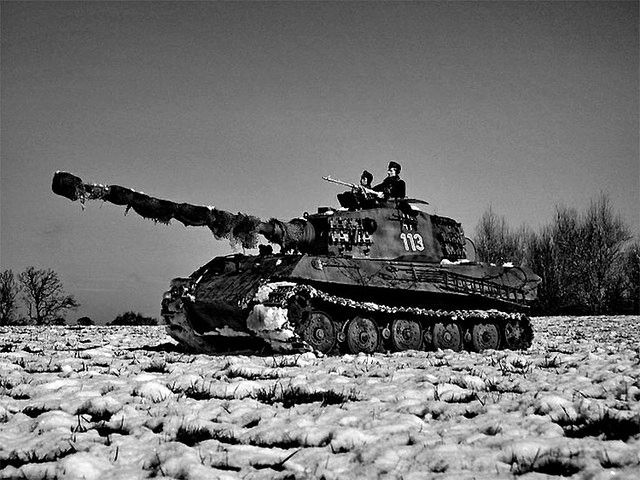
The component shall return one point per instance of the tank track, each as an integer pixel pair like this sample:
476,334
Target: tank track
333,325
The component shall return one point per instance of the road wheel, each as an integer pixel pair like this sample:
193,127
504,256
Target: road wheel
447,335
362,335
405,335
299,309
485,336
319,331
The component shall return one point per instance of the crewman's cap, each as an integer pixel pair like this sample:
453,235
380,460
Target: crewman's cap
394,165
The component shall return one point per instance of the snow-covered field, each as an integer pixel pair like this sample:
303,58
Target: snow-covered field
123,403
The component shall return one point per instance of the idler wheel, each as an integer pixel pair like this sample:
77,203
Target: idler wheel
447,335
299,309
515,335
405,335
485,336
319,331
362,335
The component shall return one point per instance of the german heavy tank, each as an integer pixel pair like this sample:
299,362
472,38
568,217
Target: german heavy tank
385,276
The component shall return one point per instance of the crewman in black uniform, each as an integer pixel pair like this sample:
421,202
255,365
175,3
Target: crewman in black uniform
392,186
358,198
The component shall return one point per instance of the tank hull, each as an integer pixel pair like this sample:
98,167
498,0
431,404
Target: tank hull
267,303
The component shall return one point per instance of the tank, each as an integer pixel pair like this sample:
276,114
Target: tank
378,276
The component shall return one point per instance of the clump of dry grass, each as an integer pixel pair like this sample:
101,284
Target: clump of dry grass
609,424
157,366
291,396
191,435
247,373
18,458
195,391
552,462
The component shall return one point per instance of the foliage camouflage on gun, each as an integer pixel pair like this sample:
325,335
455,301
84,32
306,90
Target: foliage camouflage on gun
238,228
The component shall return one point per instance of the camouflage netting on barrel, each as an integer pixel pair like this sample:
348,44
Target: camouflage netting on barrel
238,228
292,235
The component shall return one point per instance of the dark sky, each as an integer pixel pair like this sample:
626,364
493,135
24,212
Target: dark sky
245,106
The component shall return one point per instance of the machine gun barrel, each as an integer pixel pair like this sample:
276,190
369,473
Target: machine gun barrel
352,185
238,228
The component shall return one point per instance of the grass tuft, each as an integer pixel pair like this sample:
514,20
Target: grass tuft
552,463
549,361
17,458
34,411
195,391
157,366
291,396
609,425
191,435
248,374
37,367
492,429
278,467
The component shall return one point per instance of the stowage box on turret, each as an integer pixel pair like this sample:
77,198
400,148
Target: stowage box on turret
388,277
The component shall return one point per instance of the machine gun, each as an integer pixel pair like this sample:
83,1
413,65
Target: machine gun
364,189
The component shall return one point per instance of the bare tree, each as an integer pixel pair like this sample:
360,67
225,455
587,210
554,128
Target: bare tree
542,260
496,242
602,237
44,295
8,293
567,257
631,268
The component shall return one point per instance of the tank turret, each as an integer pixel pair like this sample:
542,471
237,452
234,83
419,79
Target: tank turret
388,276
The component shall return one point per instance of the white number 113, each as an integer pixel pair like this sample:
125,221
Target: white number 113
412,242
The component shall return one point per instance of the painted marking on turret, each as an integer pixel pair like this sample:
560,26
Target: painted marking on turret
412,242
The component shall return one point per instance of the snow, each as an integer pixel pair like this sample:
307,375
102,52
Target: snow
152,391
83,466
103,402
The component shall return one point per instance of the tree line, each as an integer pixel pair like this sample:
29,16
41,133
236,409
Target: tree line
126,318
588,260
46,302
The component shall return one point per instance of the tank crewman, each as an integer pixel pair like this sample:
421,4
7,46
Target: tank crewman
358,197
392,186
365,197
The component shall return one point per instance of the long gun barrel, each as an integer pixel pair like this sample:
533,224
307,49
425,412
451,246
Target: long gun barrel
238,228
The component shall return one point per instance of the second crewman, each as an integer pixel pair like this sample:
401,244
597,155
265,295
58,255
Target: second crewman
392,186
